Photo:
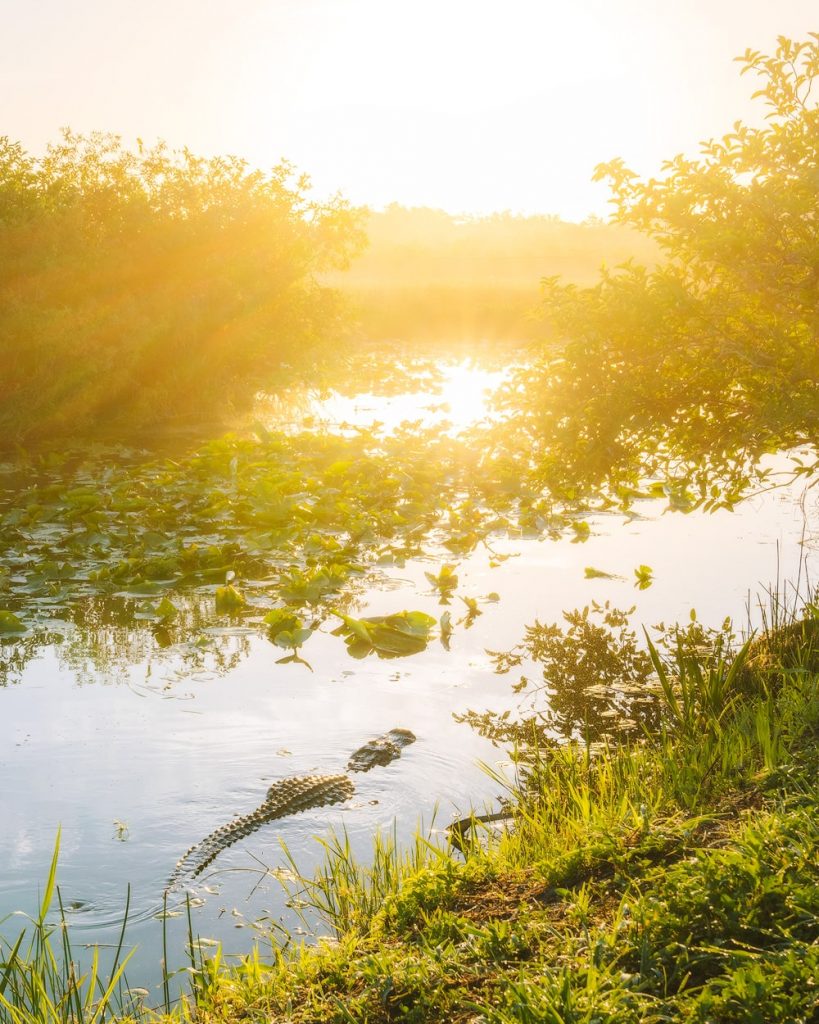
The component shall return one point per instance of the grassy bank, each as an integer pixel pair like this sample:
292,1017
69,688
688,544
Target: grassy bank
672,878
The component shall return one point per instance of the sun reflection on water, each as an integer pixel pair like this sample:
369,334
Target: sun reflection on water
461,398
466,391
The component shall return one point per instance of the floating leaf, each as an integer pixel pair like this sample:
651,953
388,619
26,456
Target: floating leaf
644,575
292,637
278,620
310,586
229,599
582,532
9,623
590,573
445,581
389,636
166,610
142,588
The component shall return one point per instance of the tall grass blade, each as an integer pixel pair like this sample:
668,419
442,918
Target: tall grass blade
50,882
11,962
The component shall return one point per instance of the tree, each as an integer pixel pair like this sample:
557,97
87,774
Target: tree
690,371
144,286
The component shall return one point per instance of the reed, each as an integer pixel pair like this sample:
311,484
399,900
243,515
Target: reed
41,979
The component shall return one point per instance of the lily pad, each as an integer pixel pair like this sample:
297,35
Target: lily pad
9,623
229,599
388,636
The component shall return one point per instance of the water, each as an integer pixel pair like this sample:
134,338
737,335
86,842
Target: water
136,752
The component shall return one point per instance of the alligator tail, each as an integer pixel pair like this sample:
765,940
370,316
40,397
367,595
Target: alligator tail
289,796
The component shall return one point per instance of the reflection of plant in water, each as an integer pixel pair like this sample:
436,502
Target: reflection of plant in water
597,680
105,635
16,653
593,675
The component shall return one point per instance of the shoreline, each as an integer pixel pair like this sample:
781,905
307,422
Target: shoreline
671,875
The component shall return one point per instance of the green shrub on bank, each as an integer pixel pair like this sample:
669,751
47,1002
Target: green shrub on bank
140,287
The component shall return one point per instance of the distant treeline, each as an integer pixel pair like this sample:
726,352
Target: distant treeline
428,275
142,287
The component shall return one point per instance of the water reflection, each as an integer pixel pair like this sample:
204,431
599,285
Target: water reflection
588,677
453,396
101,637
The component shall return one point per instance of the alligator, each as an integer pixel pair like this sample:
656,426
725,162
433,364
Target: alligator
289,796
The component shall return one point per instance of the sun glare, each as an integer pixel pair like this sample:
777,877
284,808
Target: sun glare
466,392
461,399
467,106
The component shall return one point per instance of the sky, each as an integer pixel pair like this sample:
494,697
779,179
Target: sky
472,106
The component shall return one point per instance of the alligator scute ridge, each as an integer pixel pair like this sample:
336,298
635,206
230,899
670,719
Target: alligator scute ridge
290,796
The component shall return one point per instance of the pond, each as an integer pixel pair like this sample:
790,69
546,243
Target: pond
137,732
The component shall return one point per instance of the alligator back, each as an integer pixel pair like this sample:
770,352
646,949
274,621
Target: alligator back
288,796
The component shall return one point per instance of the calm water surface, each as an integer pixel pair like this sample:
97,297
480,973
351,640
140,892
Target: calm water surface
135,753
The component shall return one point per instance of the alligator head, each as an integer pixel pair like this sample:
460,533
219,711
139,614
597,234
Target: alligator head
381,750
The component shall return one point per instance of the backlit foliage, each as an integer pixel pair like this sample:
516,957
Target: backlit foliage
143,286
693,370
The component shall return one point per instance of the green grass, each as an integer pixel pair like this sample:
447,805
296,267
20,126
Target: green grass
41,981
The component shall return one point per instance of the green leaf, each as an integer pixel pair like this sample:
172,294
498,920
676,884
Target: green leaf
229,599
9,623
143,588
166,610
51,880
389,636
292,637
278,620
